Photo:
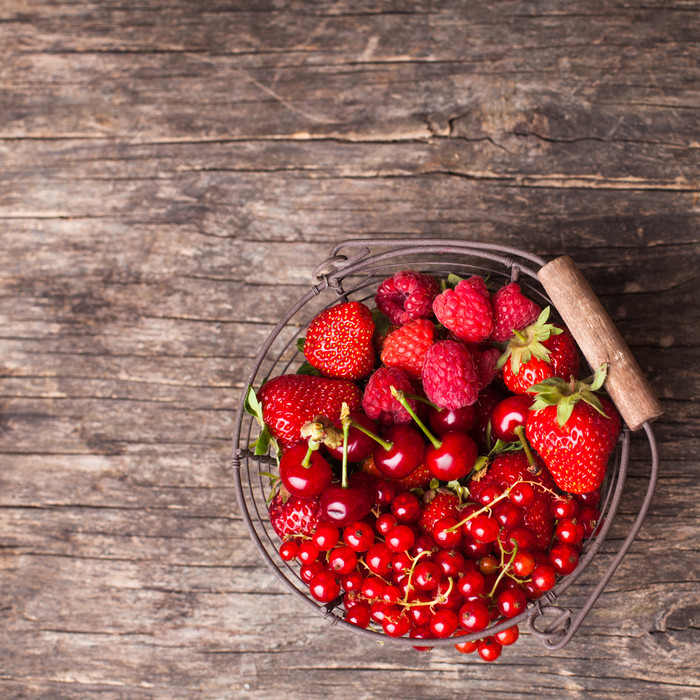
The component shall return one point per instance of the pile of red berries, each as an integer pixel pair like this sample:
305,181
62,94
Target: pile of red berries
440,461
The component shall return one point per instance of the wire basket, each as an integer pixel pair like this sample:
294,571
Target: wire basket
353,271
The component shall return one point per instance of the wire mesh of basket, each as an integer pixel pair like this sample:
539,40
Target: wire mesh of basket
353,271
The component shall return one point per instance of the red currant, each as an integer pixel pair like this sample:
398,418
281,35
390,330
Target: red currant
359,536
511,602
400,538
522,495
544,577
471,584
406,507
289,550
523,564
443,623
342,560
308,552
562,507
474,616
426,576
352,582
358,614
569,531
326,537
489,649
446,533
396,623
421,632
372,588
324,587
508,636
564,558
385,522
378,559
484,528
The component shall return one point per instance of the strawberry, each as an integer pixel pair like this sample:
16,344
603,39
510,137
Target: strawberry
512,311
442,503
466,310
539,351
419,478
339,341
289,401
405,347
290,515
574,430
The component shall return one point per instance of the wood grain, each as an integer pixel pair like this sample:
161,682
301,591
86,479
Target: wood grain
172,173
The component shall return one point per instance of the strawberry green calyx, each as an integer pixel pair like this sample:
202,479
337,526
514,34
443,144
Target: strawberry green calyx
565,395
265,439
527,343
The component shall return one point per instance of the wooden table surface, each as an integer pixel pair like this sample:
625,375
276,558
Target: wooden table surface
171,174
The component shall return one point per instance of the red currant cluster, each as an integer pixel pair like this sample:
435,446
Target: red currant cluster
433,567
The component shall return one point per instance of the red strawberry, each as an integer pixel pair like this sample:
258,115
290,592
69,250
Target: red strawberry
540,351
512,311
466,310
406,296
440,504
339,341
450,375
291,400
405,347
574,430
419,478
378,402
510,467
290,515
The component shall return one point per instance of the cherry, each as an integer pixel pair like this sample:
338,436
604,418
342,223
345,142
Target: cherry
385,522
564,558
406,507
324,587
360,444
511,602
508,415
358,614
289,550
442,420
342,560
474,616
443,623
399,452
508,636
341,506
325,537
359,536
489,649
304,472
452,457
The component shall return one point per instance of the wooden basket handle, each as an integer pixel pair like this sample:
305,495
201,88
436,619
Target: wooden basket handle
600,341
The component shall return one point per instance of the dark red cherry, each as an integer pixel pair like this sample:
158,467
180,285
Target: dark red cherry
304,481
405,454
360,445
342,506
453,459
460,419
507,415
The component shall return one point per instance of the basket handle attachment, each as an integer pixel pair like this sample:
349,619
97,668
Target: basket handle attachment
600,341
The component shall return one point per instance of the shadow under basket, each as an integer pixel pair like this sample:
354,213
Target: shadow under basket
353,271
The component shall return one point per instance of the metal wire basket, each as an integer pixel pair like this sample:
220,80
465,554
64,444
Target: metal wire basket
353,271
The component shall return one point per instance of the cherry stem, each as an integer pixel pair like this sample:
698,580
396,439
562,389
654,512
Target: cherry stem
401,398
424,400
384,443
344,473
520,432
506,567
307,458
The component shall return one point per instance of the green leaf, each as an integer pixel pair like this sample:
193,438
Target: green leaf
453,280
301,342
598,379
382,323
308,368
253,406
262,445
565,408
434,483
592,400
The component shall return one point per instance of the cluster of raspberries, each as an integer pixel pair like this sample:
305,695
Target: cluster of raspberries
451,362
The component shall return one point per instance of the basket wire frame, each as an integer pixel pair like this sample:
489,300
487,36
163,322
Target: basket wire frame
340,278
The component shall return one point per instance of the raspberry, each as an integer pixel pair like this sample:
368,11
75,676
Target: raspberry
379,404
450,375
405,347
406,296
466,310
512,311
487,362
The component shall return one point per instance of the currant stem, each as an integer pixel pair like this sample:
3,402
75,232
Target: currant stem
506,567
401,398
520,432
